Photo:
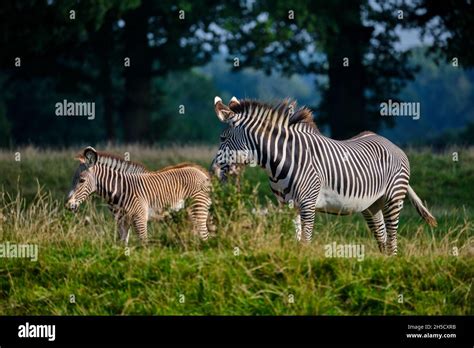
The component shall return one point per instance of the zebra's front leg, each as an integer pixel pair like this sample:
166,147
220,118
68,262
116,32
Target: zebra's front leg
297,223
307,214
123,229
306,198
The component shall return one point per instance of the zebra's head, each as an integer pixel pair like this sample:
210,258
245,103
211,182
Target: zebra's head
234,149
83,182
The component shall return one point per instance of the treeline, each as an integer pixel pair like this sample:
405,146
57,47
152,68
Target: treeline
136,60
446,96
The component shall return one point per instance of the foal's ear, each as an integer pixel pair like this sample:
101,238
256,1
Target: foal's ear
223,112
89,156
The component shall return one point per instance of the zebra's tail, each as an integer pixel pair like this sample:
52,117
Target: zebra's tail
420,208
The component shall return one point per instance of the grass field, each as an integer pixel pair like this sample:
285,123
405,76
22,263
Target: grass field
252,265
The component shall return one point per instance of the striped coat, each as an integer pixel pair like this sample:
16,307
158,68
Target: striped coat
135,194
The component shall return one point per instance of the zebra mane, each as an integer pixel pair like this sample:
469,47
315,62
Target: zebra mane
183,165
114,162
286,108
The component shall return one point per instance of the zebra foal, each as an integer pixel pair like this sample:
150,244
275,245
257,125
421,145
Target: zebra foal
135,194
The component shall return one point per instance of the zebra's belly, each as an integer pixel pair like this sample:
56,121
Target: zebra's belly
157,212
329,201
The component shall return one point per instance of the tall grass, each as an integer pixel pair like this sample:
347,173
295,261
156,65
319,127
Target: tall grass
252,265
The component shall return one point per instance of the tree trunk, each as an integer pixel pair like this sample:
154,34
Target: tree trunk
104,50
346,109
137,100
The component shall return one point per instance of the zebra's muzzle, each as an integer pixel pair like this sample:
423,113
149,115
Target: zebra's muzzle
72,206
219,173
223,176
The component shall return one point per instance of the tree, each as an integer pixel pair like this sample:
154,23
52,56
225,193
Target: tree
107,51
159,37
65,48
335,40
449,24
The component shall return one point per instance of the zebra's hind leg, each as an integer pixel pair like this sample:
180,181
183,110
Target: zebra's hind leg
200,213
391,214
376,224
210,223
140,224
122,223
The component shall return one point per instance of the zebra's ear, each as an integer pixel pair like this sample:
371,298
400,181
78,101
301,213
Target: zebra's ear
223,112
234,102
80,157
90,156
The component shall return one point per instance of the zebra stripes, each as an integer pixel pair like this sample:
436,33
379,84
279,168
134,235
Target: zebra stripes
135,194
366,173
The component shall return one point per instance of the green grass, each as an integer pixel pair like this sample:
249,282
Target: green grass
251,266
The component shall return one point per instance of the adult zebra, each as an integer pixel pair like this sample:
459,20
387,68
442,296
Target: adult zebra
366,173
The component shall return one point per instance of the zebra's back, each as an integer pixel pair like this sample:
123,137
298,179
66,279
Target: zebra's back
171,186
356,172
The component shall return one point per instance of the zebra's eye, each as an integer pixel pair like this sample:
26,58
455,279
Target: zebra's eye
82,180
223,137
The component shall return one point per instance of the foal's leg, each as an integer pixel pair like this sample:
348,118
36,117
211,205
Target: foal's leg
200,213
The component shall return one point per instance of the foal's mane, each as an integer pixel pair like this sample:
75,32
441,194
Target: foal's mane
117,163
286,108
183,165
114,162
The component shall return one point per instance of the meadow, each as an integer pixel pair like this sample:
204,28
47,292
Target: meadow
251,265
